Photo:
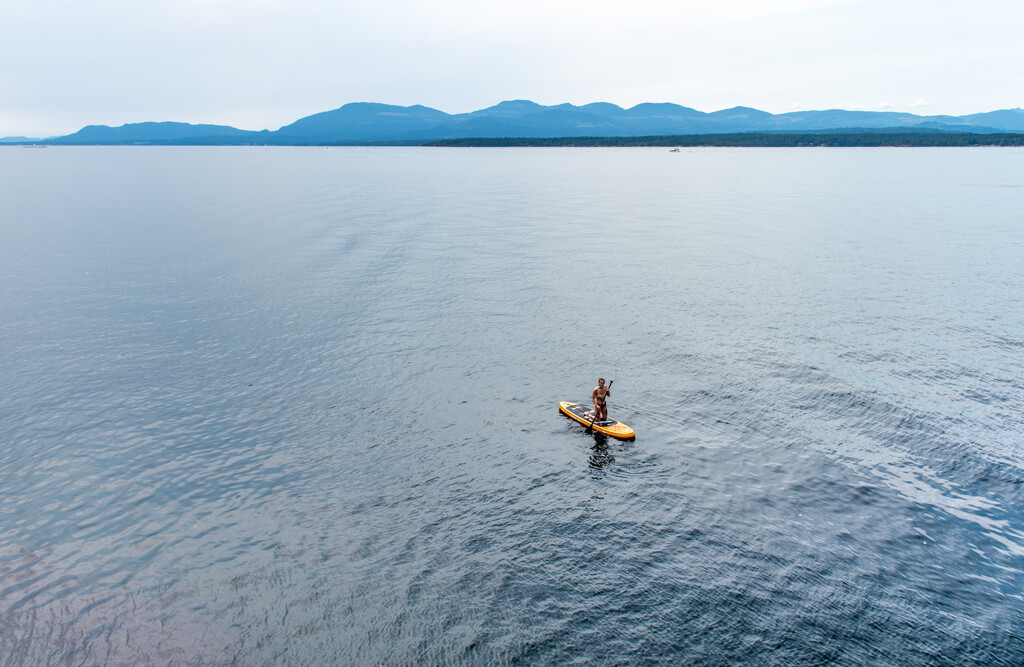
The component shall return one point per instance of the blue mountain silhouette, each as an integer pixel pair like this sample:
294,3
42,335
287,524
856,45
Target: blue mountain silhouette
364,122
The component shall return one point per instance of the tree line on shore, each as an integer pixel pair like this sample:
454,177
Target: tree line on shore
767,140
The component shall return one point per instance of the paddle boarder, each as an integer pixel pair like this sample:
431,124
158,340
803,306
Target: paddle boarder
600,399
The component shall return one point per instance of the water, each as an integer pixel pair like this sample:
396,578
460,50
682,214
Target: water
298,406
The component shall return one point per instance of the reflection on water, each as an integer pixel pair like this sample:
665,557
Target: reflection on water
600,456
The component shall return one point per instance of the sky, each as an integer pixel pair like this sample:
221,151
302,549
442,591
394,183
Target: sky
261,64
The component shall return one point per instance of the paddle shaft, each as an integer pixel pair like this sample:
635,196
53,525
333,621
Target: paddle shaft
590,426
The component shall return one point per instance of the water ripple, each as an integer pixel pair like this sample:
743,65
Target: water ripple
295,406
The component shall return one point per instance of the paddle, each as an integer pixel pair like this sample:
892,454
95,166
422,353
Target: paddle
590,426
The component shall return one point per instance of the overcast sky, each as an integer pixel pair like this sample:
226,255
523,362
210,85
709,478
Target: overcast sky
260,64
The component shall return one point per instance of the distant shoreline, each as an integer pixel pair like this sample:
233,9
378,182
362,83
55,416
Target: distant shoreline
757,140
833,139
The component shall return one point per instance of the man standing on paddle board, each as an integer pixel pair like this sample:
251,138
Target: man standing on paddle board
600,398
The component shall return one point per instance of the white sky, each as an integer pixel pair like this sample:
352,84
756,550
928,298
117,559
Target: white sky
259,64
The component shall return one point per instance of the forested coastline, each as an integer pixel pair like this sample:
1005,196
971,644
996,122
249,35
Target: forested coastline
767,140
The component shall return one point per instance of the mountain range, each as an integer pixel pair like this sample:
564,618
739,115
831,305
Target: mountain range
372,123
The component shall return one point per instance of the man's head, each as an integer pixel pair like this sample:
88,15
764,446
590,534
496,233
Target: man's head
600,381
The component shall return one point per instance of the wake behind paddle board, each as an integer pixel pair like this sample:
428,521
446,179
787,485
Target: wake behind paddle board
606,426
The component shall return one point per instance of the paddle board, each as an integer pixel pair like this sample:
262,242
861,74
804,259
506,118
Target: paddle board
606,426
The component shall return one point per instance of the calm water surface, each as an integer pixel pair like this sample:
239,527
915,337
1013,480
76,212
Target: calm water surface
298,406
